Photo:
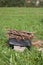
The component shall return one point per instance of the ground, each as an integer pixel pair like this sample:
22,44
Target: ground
25,19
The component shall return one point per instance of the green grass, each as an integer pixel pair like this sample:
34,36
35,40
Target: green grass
25,19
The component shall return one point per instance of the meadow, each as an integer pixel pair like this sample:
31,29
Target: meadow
25,19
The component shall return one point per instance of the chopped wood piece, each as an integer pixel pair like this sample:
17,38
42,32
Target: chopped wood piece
18,48
38,44
20,35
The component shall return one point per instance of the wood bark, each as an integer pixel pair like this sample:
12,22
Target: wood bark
20,35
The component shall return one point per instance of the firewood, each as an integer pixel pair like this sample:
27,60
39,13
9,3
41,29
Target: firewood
20,34
38,44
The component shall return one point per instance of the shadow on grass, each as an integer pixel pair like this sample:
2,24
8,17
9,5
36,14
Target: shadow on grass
41,20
